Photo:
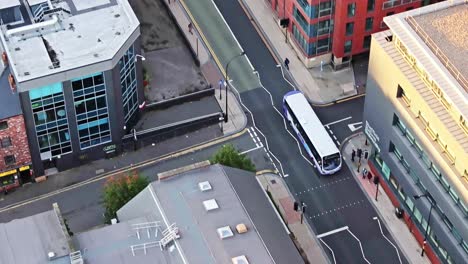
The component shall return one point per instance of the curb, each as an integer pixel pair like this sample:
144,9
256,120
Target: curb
371,200
275,54
314,236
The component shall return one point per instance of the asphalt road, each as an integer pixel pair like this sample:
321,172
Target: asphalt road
333,202
82,206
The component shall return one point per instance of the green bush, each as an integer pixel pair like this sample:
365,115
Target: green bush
227,155
120,190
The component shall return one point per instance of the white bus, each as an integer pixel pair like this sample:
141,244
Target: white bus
310,131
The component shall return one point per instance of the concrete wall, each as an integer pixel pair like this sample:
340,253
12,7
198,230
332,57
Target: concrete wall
380,106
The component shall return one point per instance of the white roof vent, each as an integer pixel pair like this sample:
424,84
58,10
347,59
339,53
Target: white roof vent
210,204
225,232
240,260
51,255
204,186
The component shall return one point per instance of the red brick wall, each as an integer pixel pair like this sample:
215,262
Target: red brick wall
19,143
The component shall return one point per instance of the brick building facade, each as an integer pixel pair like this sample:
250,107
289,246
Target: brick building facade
15,158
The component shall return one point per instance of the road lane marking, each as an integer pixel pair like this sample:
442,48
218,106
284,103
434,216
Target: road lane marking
333,231
337,209
355,126
252,149
225,23
337,121
360,245
333,254
381,231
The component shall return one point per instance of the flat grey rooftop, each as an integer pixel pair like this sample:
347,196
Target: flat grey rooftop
112,244
179,200
28,240
448,29
9,101
94,32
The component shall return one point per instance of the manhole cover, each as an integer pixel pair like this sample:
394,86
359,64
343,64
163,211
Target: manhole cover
273,181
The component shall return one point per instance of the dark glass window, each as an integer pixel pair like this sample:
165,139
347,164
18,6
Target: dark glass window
88,82
348,46
370,5
9,160
367,42
6,142
349,28
369,23
3,125
351,9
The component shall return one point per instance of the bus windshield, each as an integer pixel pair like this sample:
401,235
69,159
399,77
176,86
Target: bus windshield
332,161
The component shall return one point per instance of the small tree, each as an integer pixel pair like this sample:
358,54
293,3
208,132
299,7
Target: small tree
119,191
227,155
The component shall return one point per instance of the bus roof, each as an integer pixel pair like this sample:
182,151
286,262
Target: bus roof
311,124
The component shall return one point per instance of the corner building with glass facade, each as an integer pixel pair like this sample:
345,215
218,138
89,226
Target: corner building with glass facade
415,115
76,70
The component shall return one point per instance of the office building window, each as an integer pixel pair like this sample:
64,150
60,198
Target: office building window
369,23
308,48
305,7
50,119
401,94
323,45
434,170
301,20
3,125
128,82
9,160
370,5
367,41
92,115
324,27
351,9
325,9
6,142
348,46
349,28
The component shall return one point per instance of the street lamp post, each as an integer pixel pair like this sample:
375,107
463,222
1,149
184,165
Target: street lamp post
428,220
139,56
227,83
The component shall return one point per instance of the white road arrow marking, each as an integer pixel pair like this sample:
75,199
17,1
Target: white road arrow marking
355,126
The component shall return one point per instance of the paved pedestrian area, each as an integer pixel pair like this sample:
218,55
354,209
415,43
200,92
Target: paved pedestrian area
302,234
383,205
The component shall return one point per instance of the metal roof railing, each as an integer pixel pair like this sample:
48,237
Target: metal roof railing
438,52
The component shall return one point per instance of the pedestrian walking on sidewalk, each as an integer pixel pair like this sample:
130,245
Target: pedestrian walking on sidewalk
353,154
359,154
190,27
286,64
364,173
369,177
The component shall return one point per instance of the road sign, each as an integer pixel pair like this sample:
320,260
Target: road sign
355,126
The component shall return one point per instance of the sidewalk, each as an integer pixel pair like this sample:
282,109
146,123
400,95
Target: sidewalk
237,119
302,235
384,207
321,86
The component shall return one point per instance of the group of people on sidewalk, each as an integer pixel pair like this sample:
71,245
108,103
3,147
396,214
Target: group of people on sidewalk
359,154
